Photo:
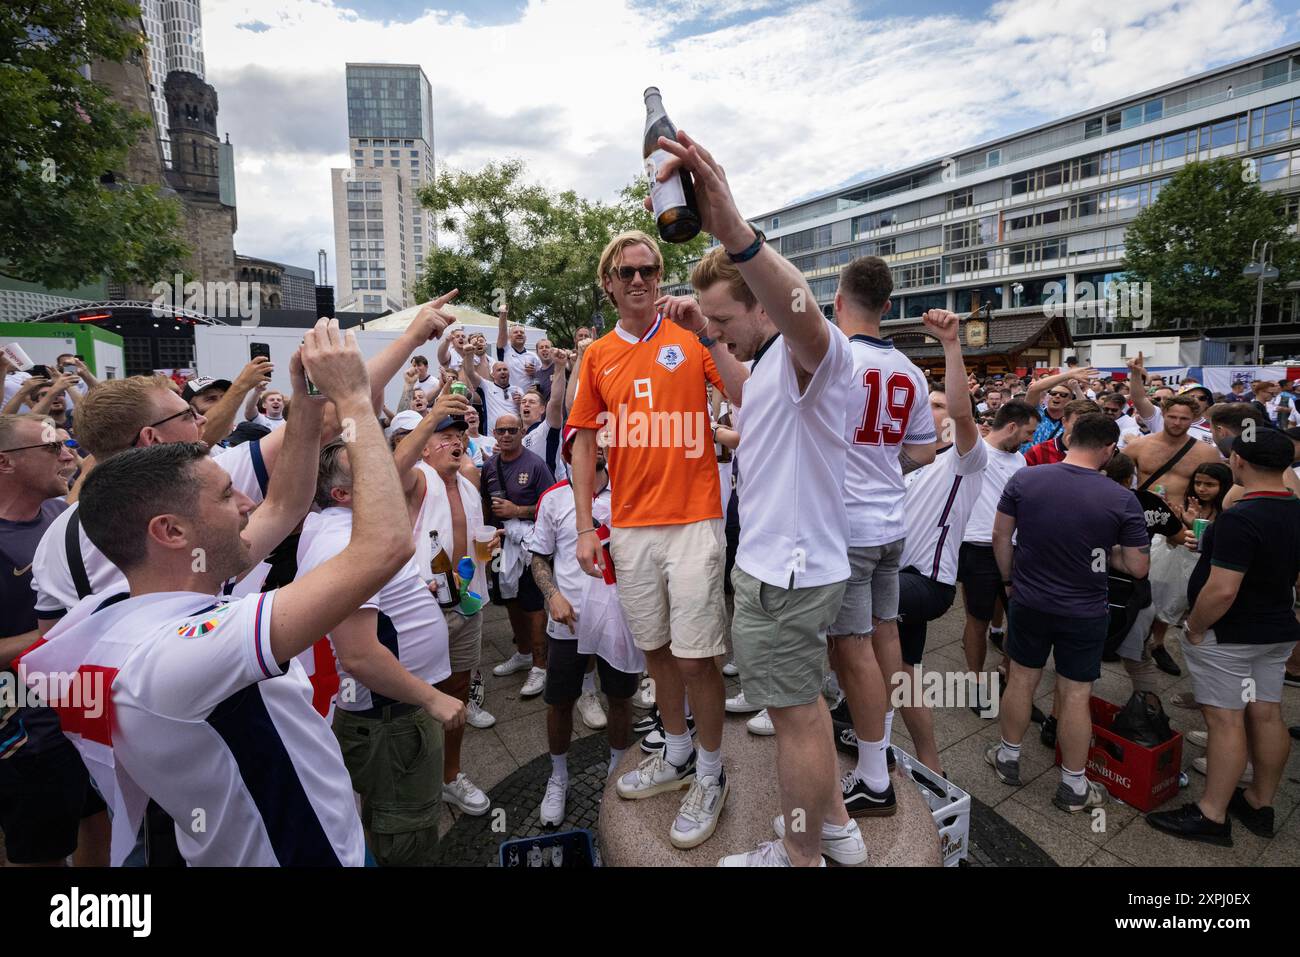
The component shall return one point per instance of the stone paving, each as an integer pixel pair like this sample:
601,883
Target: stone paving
1009,826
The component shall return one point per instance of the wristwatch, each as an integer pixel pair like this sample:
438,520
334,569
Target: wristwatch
706,341
750,251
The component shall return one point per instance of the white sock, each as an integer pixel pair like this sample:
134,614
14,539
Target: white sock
708,764
560,767
872,768
1075,779
589,682
889,725
615,756
686,701
678,747
1009,752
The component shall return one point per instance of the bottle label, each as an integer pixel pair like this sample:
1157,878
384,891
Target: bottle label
669,193
442,588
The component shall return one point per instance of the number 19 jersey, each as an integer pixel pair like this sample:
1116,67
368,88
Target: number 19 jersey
888,404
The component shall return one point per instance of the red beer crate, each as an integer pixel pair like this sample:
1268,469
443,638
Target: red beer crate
1141,777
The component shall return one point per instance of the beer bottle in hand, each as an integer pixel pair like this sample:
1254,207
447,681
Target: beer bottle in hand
676,214
443,585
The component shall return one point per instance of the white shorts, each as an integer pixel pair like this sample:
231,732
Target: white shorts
670,586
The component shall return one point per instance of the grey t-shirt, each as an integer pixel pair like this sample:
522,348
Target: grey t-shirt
1067,520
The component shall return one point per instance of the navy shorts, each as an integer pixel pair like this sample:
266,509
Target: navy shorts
977,570
43,798
565,669
1075,643
920,600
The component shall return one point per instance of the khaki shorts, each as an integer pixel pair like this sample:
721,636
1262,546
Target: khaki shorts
779,637
464,640
396,767
670,586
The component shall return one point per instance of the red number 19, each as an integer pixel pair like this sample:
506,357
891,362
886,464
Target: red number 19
898,393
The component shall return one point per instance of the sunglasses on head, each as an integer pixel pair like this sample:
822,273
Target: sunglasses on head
626,273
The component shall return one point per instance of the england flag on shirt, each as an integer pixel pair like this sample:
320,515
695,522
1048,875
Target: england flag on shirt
179,699
888,405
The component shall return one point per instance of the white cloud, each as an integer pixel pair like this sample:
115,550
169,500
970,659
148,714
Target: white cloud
800,98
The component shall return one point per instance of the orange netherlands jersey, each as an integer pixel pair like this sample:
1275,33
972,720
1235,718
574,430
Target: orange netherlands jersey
650,395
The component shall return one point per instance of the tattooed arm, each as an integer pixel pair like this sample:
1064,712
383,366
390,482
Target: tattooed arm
557,606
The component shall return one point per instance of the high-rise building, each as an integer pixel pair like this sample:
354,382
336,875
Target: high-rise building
1041,213
174,29
381,233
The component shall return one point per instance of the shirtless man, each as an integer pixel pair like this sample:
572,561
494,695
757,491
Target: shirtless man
1150,452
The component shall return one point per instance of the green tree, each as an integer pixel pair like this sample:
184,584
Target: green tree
1192,243
59,226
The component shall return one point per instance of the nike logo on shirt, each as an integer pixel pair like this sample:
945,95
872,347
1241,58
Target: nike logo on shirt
611,368
20,572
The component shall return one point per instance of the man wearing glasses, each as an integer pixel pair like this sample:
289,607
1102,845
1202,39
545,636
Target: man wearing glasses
1049,395
47,808
512,482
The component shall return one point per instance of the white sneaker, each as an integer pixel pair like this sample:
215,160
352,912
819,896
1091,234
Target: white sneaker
645,696
593,715
1247,776
476,717
738,704
534,683
516,662
842,845
700,811
466,795
730,669
552,812
655,775
761,723
1199,738
767,854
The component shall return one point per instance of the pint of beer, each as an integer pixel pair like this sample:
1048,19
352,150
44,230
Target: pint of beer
483,543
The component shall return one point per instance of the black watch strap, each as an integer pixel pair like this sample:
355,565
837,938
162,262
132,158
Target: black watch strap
750,251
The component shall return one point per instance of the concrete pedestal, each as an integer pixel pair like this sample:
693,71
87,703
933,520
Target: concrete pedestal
635,833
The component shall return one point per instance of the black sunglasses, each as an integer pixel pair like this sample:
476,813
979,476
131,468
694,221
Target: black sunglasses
647,273
186,412
1060,395
507,430
54,448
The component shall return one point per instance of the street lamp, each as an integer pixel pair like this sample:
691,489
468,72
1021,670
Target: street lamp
1263,270
1016,290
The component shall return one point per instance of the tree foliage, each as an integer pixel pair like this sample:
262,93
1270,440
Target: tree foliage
59,225
505,241
1192,243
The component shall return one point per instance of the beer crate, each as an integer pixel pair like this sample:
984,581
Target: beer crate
949,805
572,849
1141,777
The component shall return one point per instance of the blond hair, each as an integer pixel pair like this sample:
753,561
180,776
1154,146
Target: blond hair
112,414
613,252
716,267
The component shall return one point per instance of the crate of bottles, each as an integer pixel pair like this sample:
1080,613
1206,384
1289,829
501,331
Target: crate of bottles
949,805
566,849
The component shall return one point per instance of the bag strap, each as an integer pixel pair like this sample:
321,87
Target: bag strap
72,546
1174,460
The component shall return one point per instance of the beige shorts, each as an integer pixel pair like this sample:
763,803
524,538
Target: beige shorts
670,586
464,640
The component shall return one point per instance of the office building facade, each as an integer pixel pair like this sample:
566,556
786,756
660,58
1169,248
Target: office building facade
174,33
1024,222
381,233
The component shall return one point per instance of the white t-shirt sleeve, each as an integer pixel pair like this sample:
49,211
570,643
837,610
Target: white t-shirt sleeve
211,655
920,422
247,471
834,370
974,461
322,539
51,580
541,539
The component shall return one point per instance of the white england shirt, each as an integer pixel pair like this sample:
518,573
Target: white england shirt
52,580
555,534
940,498
410,623
206,722
886,404
517,362
543,440
1000,468
497,402
793,523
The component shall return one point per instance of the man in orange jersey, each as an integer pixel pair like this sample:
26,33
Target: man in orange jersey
645,382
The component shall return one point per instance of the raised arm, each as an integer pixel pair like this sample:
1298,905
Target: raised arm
250,403
444,351
945,326
411,448
293,483
559,383
1137,378
778,285
686,312
221,417
381,542
429,322
502,338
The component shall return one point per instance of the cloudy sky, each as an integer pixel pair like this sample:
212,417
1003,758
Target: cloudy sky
793,96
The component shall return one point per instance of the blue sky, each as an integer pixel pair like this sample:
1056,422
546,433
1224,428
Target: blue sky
793,96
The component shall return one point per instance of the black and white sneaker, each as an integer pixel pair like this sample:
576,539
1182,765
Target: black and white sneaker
846,741
647,723
840,713
655,740
861,801
477,689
